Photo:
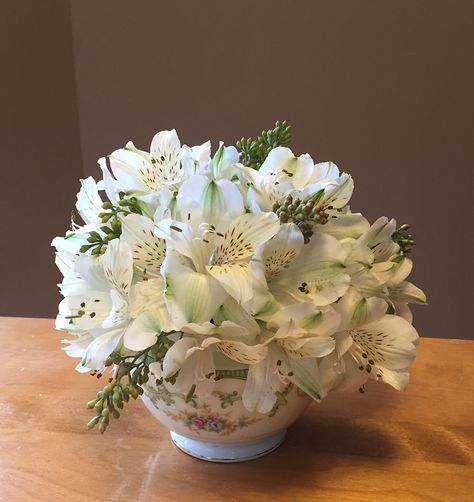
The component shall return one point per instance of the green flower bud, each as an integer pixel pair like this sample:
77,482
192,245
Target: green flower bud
104,422
92,423
108,388
91,404
99,405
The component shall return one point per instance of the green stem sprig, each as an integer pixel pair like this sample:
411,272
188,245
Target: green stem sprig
131,372
303,213
112,228
255,150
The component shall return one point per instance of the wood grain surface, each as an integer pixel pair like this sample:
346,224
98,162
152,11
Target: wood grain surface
381,446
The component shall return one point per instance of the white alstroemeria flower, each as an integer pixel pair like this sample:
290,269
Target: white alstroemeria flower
89,203
401,292
148,250
296,336
284,167
371,344
370,258
145,173
346,225
379,239
214,197
207,196
103,308
211,261
280,174
67,247
298,272
195,159
193,357
283,174
95,306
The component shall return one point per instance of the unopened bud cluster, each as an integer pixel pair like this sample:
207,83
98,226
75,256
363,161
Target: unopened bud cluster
303,213
113,226
403,238
115,393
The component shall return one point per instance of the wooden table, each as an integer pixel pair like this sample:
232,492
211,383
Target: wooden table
380,446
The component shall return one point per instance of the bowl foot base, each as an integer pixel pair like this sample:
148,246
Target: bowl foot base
221,452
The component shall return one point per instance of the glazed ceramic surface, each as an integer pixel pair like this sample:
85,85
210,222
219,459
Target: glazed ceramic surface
220,419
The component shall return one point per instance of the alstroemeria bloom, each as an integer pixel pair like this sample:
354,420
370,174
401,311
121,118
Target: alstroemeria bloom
370,344
193,355
103,308
197,264
298,272
204,264
283,174
295,336
143,173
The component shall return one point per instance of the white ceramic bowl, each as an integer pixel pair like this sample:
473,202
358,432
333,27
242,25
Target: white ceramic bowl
218,428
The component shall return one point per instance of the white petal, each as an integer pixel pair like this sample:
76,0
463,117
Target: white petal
230,309
343,226
303,372
339,195
262,383
282,249
397,379
117,263
308,317
403,310
326,173
176,355
165,152
390,342
132,171
109,182
89,203
156,369
224,158
355,310
308,347
285,167
100,349
406,292
381,230
244,235
401,270
235,278
341,373
119,312
139,335
215,197
192,297
241,352
148,250
321,259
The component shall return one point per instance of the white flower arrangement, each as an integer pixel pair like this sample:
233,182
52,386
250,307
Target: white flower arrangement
186,260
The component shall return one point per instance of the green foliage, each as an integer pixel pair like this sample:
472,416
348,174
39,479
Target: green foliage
255,150
403,239
112,228
130,373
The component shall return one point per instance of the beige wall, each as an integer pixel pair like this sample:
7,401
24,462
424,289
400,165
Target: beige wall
40,155
383,88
